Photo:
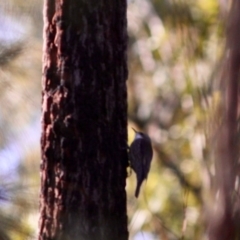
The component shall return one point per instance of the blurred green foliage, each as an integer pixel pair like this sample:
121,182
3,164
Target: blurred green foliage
175,48
20,99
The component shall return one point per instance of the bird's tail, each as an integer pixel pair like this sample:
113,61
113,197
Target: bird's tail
139,183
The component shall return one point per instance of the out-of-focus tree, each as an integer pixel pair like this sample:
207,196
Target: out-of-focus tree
175,50
224,218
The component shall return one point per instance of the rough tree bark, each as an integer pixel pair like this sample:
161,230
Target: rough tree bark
84,119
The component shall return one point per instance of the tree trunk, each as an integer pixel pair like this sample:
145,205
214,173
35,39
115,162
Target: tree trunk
84,121
224,217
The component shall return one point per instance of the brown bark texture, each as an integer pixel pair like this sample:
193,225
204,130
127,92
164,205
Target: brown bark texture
84,121
224,217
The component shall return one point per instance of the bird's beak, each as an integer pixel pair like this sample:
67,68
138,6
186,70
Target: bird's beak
134,130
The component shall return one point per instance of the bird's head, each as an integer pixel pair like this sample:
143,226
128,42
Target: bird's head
138,135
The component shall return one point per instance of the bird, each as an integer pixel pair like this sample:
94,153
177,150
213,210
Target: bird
140,156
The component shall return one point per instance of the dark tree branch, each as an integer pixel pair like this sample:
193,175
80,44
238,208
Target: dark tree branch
169,163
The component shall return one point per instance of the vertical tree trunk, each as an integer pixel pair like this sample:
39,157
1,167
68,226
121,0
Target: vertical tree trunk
84,119
224,220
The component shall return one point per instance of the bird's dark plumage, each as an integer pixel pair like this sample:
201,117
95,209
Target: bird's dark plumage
141,154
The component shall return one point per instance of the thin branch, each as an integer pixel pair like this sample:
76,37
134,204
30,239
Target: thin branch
169,163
